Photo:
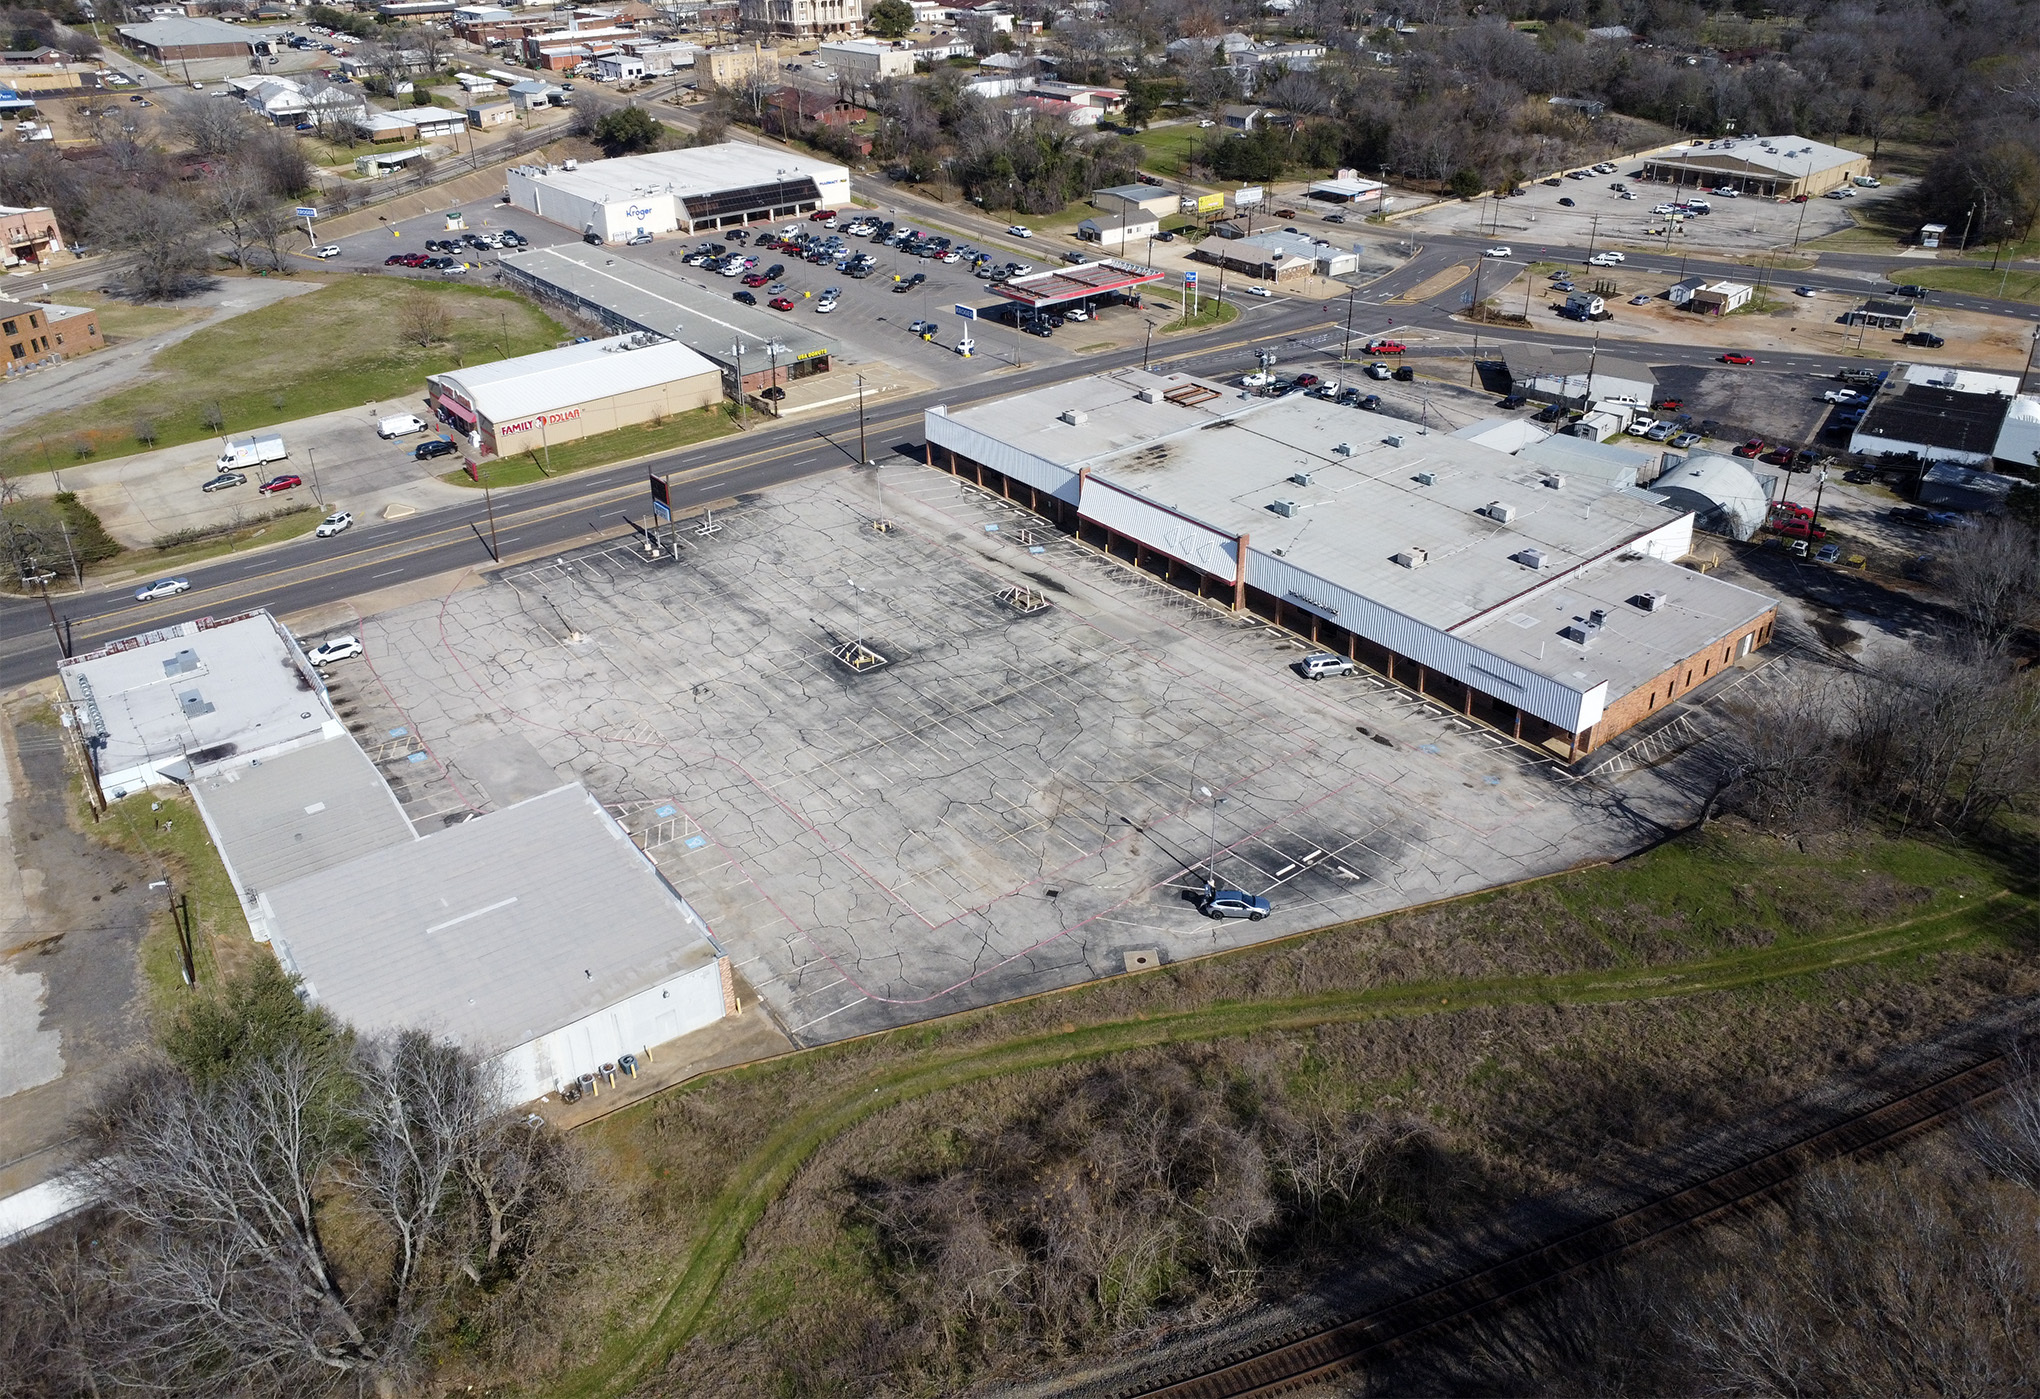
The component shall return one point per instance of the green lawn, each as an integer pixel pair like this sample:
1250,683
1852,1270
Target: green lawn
1210,312
1168,148
1977,281
538,464
326,350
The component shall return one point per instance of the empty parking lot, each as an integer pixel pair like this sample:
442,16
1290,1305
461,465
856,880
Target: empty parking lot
908,770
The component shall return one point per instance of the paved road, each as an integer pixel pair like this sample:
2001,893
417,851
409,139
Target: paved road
557,514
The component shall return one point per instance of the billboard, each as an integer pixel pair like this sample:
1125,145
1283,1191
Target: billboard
1210,203
1248,196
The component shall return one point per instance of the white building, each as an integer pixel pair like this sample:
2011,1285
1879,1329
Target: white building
573,391
690,191
801,19
867,60
620,68
1542,603
153,706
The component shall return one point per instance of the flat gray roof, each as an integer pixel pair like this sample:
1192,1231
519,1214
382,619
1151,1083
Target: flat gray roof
1560,360
494,932
307,810
179,32
704,319
197,688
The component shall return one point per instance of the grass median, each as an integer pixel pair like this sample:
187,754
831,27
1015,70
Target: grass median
540,463
2004,284
1705,916
339,347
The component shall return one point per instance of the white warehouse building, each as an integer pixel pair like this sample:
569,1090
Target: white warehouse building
1538,600
699,190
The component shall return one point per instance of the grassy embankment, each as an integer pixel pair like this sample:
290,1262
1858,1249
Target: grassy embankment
1762,936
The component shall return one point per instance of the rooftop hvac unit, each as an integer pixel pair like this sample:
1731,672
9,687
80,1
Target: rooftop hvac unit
1554,482
1651,601
1530,558
1427,478
1073,416
1300,478
1285,508
1499,511
1148,395
1394,439
1344,449
1413,558
1582,633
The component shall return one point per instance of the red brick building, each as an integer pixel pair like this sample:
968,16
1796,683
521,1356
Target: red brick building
31,331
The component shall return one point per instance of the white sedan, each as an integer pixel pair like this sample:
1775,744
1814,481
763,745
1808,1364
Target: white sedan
335,524
1020,230
824,306
167,587
1259,291
1499,251
340,648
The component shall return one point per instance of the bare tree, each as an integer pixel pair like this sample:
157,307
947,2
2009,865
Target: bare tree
230,1281
1993,572
423,319
160,232
210,126
237,204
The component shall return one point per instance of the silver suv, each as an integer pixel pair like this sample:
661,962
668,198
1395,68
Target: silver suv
1319,664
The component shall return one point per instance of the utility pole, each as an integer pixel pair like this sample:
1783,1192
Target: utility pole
1967,219
1148,343
1593,232
1473,368
862,455
1346,346
180,923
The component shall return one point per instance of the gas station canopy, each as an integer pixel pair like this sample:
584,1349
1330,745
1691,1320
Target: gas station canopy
1086,279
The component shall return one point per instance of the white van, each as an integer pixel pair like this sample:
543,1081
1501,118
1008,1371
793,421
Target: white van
399,425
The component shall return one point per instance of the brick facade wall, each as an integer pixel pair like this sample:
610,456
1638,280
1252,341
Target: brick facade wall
1696,670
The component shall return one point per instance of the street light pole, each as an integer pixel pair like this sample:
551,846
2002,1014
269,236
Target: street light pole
1211,866
862,455
1147,344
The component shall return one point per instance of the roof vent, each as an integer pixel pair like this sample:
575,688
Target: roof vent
1500,511
1285,508
1344,449
1413,558
1148,395
1427,478
1073,416
1649,602
1554,482
1394,439
1301,478
1530,558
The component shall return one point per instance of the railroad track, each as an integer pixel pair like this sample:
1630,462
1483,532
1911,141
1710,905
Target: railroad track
1301,1360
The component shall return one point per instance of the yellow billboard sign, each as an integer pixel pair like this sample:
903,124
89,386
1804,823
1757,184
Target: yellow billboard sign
1210,203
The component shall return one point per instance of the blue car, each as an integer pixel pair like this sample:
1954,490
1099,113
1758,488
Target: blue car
1233,903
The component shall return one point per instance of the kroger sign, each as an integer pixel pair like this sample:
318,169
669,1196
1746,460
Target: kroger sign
635,211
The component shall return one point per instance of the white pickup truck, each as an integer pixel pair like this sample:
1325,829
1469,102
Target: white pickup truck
257,449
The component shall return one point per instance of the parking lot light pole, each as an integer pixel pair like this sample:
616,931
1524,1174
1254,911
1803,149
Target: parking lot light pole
1211,866
862,455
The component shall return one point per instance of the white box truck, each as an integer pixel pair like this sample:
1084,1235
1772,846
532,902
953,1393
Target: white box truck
254,450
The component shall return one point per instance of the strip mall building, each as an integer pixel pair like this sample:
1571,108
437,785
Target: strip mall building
1547,603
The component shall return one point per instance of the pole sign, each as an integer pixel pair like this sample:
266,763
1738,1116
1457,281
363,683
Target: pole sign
1190,278
662,498
969,313
305,211
1210,203
1249,196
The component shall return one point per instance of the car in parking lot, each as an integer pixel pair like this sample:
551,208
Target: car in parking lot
280,483
1684,440
1642,298
224,480
1318,664
1233,903
1923,338
334,524
825,305
1750,448
434,447
922,328
167,587
339,648
1566,203
1642,426
1829,553
781,303
1662,432
1378,370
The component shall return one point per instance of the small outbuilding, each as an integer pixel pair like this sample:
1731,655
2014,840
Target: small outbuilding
1719,298
1880,314
1724,495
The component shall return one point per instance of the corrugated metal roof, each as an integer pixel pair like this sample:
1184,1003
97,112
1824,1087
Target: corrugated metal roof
298,813
573,374
493,932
